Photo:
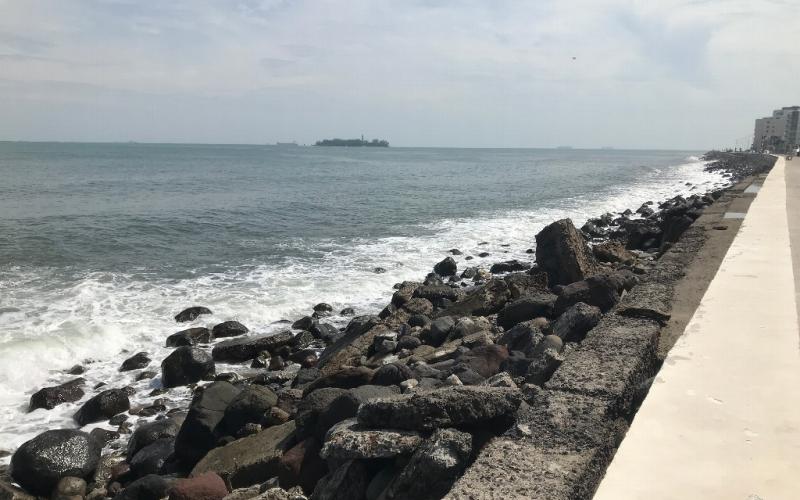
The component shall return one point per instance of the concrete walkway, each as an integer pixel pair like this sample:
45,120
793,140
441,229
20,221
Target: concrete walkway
722,419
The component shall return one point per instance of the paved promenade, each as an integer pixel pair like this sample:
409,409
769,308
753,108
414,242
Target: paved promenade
722,419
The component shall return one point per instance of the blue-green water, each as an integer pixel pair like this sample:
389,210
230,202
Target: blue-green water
101,244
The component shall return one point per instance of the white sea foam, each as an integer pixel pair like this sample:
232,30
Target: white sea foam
46,327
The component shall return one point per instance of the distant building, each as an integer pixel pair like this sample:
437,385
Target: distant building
778,132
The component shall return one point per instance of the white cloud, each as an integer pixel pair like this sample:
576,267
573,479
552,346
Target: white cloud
588,72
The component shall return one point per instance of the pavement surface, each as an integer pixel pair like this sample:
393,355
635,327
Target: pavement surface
722,419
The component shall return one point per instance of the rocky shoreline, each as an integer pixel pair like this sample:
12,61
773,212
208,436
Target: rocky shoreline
465,383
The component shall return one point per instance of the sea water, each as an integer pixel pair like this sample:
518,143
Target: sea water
102,244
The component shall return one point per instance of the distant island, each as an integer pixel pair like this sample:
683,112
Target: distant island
354,143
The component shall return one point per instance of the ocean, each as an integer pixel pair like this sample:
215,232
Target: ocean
102,244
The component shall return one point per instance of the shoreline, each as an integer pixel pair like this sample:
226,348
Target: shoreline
373,341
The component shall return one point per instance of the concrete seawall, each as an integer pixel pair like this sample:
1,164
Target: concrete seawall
721,420
571,428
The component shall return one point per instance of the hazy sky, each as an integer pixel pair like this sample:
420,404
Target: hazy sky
588,73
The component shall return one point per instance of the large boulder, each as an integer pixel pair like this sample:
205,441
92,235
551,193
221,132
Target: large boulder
150,432
249,460
103,406
190,336
612,251
482,301
50,397
601,291
485,360
575,322
301,465
446,267
249,406
509,266
135,362
346,406
356,341
186,365
433,468
207,486
311,407
207,409
229,329
246,348
191,313
150,487
152,458
349,440
40,463
436,333
563,254
458,406
347,482
525,308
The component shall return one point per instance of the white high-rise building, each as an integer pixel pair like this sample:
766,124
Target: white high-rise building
778,132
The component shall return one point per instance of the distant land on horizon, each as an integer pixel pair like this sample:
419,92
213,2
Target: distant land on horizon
374,143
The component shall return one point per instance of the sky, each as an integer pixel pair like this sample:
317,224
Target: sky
666,74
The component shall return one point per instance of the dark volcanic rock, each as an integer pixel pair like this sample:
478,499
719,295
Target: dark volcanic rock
392,374
150,487
246,348
40,463
249,406
485,360
563,254
196,435
191,313
509,266
525,308
438,331
482,301
310,409
347,482
229,329
152,458
575,322
460,406
103,406
190,336
346,406
601,291
186,365
446,267
50,397
135,362
433,468
612,251
301,465
207,486
349,440
345,378
150,432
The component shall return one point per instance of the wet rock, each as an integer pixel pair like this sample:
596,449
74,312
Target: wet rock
186,365
135,362
347,311
348,349
189,337
304,323
229,329
563,254
509,266
103,406
446,407
150,432
436,293
191,314
249,460
246,348
323,308
249,406
418,306
208,486
69,488
50,397
152,458
575,322
150,487
446,267
196,436
76,370
104,436
40,463
349,440
404,293
433,468
347,482
526,308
